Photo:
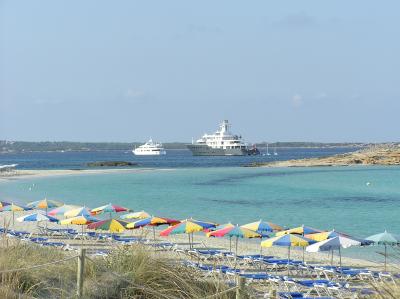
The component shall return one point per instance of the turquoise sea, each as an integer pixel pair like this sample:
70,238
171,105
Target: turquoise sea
325,198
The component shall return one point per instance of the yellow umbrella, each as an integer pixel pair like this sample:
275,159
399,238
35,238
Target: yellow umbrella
288,241
79,220
14,208
136,215
301,230
81,211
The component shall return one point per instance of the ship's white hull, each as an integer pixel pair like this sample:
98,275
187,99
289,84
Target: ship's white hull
149,153
205,150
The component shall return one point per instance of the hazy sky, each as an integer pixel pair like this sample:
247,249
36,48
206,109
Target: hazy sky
128,70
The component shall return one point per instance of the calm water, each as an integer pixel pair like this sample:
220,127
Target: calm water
326,198
173,159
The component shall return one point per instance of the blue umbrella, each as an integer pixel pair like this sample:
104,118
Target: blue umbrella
385,239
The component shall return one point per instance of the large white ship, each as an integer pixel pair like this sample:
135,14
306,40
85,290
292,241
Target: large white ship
150,148
221,143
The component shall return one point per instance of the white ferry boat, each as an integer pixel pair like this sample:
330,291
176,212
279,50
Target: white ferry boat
150,148
221,143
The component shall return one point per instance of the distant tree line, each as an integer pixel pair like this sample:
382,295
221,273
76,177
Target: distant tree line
51,146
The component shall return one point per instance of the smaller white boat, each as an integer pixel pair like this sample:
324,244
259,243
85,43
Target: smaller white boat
267,154
150,148
275,152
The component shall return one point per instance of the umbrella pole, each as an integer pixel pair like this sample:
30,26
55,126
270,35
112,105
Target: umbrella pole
230,244
303,254
154,233
332,257
340,258
82,237
385,256
288,268
13,217
190,247
192,242
237,241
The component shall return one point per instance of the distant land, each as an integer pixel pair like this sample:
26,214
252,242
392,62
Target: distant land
58,146
383,154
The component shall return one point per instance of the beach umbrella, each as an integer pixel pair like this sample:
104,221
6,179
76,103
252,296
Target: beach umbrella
112,225
136,215
4,203
385,239
288,240
331,234
44,204
221,226
62,209
234,231
14,208
80,211
36,217
301,230
109,208
332,244
152,221
188,226
79,220
263,226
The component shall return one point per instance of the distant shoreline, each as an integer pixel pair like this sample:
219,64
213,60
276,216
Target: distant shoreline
13,147
377,155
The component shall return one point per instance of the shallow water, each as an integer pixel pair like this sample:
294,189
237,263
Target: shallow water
325,198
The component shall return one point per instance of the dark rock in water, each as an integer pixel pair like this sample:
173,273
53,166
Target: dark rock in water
111,164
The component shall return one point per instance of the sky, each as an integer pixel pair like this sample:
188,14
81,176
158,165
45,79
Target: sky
324,71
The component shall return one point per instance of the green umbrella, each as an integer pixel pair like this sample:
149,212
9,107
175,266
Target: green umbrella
385,239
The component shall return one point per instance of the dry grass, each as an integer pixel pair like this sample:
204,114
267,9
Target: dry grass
389,289
134,272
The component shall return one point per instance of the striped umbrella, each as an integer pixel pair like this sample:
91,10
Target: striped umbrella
332,244
263,226
4,203
301,230
37,217
152,221
385,239
14,208
109,208
234,231
136,215
61,210
288,240
79,220
44,204
81,211
188,226
112,225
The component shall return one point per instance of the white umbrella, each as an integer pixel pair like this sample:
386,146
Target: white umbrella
332,244
37,217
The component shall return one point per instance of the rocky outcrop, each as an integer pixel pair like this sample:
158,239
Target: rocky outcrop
376,155
111,164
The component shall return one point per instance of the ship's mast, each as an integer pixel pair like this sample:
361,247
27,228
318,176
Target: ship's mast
224,126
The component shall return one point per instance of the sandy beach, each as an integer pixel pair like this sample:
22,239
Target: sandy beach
245,246
24,174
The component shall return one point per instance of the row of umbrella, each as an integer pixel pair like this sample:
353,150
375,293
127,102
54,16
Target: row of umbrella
310,239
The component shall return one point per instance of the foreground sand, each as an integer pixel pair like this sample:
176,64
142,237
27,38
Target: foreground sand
200,241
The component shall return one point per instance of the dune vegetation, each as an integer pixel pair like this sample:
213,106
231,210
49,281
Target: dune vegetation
132,272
